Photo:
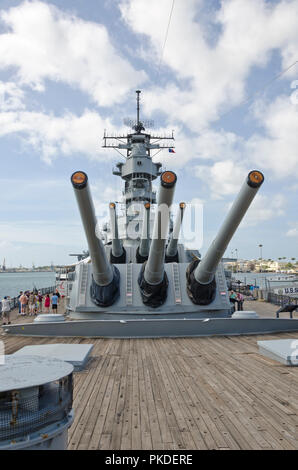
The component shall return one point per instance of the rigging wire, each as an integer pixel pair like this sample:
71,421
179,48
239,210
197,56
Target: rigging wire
165,40
158,69
250,99
267,85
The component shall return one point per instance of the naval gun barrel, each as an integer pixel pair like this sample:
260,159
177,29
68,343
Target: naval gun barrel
154,270
153,279
118,252
105,283
173,244
201,282
145,237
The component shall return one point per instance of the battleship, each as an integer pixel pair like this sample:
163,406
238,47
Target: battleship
176,389
139,280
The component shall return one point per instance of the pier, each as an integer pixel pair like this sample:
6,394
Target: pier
181,393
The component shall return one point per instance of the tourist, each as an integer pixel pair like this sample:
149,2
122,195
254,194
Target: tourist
58,295
36,304
6,311
54,302
19,302
23,302
47,303
39,301
233,299
32,305
240,300
27,293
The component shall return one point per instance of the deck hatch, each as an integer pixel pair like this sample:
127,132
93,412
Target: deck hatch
83,285
129,284
176,282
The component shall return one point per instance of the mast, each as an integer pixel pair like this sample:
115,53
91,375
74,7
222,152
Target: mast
138,171
138,106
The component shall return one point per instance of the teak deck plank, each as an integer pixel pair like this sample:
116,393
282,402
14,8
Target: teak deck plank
180,393
149,397
126,442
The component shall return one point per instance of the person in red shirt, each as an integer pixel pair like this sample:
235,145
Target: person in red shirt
47,303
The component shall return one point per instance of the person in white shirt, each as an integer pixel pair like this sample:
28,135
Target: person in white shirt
6,311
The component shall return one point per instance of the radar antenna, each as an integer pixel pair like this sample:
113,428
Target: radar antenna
127,142
139,125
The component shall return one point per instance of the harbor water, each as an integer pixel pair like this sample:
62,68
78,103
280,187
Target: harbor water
260,279
12,283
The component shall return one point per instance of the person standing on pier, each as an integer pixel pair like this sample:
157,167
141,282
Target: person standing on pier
233,300
19,302
32,304
6,311
39,302
240,300
58,295
54,302
23,301
47,303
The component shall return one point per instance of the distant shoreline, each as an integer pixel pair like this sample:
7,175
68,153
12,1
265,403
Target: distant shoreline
27,271
13,282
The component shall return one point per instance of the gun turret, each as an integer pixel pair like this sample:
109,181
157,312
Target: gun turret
118,254
200,275
153,280
105,278
143,250
172,249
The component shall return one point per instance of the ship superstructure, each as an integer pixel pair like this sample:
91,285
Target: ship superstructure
138,172
137,265
138,279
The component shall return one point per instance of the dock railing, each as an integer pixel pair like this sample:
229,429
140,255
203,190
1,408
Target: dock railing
278,299
14,301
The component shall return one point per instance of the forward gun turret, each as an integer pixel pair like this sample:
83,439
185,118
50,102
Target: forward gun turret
153,280
143,250
201,285
172,249
105,278
118,254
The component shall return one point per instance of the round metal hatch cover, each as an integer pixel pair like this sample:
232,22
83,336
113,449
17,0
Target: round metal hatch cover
18,372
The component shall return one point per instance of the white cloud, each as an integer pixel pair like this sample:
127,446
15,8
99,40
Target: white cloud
11,96
277,150
293,232
223,178
54,136
248,33
264,208
42,42
293,187
7,245
41,231
103,194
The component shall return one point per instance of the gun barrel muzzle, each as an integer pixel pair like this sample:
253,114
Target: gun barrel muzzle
154,270
102,270
145,237
117,248
205,270
173,244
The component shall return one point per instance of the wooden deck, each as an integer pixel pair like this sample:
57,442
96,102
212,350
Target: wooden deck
181,393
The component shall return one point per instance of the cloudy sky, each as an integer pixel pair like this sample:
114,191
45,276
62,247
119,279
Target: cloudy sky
69,69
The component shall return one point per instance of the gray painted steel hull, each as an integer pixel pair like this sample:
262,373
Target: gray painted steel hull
155,328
